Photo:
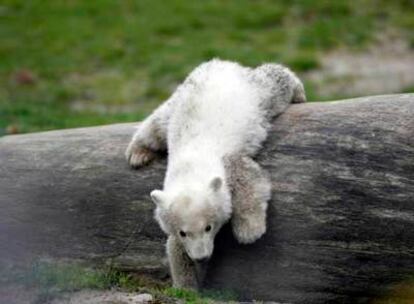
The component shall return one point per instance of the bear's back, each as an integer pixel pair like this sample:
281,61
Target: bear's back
217,109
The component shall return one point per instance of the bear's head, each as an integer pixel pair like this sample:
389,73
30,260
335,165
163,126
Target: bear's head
194,216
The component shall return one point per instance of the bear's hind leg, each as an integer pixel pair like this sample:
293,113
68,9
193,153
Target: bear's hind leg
282,85
251,190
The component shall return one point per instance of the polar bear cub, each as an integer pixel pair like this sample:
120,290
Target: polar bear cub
212,126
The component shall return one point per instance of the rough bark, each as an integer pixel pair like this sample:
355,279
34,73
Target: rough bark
340,224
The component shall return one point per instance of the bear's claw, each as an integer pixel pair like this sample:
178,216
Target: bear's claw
139,156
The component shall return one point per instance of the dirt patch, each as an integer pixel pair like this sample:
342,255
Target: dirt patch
386,67
103,297
18,294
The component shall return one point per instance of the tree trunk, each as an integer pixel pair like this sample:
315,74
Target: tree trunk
340,224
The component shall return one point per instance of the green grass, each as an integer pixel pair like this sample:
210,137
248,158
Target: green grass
52,278
408,90
73,277
205,297
104,61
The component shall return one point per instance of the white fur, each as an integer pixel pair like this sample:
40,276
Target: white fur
212,125
217,113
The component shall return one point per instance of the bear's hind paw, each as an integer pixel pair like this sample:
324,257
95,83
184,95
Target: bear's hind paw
299,95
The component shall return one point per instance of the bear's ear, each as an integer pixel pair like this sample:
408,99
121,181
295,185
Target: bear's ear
158,197
216,184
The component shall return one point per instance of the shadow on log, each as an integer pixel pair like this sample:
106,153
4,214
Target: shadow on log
340,224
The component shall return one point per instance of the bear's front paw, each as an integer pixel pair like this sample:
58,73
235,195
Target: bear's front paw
248,229
138,156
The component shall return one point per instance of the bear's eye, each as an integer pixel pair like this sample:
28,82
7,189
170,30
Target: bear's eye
208,228
182,233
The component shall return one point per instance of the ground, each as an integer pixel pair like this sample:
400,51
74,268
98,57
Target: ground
72,282
51,281
80,63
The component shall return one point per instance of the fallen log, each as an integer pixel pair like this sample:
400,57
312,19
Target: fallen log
340,223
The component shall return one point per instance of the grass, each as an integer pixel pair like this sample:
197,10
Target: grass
72,277
78,63
408,90
205,297
54,278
